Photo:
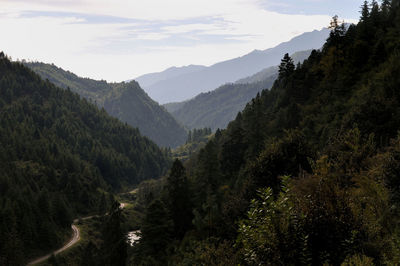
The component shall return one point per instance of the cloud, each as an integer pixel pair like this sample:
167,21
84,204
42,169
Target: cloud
344,8
130,37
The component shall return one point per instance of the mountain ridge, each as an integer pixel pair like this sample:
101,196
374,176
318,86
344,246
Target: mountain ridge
151,78
186,86
215,109
140,111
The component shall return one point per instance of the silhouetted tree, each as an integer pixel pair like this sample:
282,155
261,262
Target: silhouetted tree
286,67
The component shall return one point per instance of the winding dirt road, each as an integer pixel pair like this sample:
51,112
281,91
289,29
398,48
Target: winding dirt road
75,238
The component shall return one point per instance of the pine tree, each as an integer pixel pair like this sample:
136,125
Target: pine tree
374,14
338,30
155,231
233,148
114,248
364,12
286,68
178,199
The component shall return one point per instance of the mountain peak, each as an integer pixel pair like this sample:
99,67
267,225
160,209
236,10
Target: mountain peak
179,84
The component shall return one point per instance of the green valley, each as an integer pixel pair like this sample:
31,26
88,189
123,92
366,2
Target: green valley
60,156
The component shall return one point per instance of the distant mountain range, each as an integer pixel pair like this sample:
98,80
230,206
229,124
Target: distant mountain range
125,101
217,108
180,84
152,78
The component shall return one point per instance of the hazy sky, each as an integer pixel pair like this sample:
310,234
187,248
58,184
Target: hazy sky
118,40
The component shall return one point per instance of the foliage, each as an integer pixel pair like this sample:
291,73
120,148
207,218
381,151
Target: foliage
272,231
331,124
156,232
178,200
125,101
286,68
114,245
195,141
59,157
216,108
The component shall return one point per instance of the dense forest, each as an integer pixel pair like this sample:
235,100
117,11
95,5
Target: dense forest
197,139
307,174
126,101
217,108
60,156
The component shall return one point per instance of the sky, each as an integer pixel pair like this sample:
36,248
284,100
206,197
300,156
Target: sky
122,39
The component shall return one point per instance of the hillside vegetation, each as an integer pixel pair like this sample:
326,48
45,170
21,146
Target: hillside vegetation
307,174
60,157
125,101
215,109
264,74
197,139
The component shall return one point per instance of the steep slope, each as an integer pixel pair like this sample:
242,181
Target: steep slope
129,103
59,156
172,107
93,90
217,108
125,101
297,57
186,86
308,173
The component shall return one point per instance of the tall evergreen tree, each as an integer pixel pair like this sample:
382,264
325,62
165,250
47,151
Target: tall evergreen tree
179,200
114,248
364,12
374,13
155,232
286,67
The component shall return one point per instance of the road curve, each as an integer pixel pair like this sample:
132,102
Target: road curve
75,238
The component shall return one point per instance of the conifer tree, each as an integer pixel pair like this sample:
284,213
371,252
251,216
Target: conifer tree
178,199
364,12
286,67
114,248
155,231
374,13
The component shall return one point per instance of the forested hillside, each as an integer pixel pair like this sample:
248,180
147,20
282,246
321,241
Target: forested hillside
196,140
60,156
125,101
264,74
215,109
307,174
